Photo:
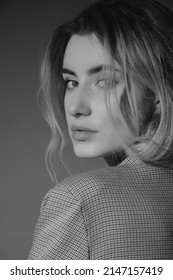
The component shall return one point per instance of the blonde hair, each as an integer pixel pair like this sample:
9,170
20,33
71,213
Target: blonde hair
138,34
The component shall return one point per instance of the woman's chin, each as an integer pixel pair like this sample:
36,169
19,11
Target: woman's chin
89,152
86,153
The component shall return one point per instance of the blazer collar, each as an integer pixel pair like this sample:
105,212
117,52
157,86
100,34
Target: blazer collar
130,160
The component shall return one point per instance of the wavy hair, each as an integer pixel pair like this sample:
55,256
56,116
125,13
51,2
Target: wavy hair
139,35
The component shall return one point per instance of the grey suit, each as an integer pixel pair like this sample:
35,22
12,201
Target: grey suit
120,212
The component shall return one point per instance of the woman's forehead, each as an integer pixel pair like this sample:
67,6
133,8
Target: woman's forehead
86,51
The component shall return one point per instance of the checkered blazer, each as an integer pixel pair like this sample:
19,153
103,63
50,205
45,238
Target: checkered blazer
119,212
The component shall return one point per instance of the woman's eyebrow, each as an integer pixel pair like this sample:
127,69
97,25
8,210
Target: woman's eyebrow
68,71
91,71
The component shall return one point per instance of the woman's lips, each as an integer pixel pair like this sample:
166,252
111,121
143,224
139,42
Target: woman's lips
81,132
82,135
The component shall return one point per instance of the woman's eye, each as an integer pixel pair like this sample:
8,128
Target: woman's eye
106,83
70,84
101,83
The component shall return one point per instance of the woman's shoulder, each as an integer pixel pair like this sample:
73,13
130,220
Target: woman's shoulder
82,183
134,175
95,178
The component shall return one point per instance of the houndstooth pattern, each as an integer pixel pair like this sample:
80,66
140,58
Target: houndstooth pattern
120,212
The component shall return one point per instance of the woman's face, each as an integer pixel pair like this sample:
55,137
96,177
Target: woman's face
90,126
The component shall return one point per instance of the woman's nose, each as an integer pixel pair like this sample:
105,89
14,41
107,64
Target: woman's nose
80,104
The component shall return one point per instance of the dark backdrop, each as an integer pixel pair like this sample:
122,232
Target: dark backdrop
25,27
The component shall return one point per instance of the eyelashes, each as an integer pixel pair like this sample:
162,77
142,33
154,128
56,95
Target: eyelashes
103,83
70,83
106,83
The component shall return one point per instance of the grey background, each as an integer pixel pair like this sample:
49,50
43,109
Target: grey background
25,27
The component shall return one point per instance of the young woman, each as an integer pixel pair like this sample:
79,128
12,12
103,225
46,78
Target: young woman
109,72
